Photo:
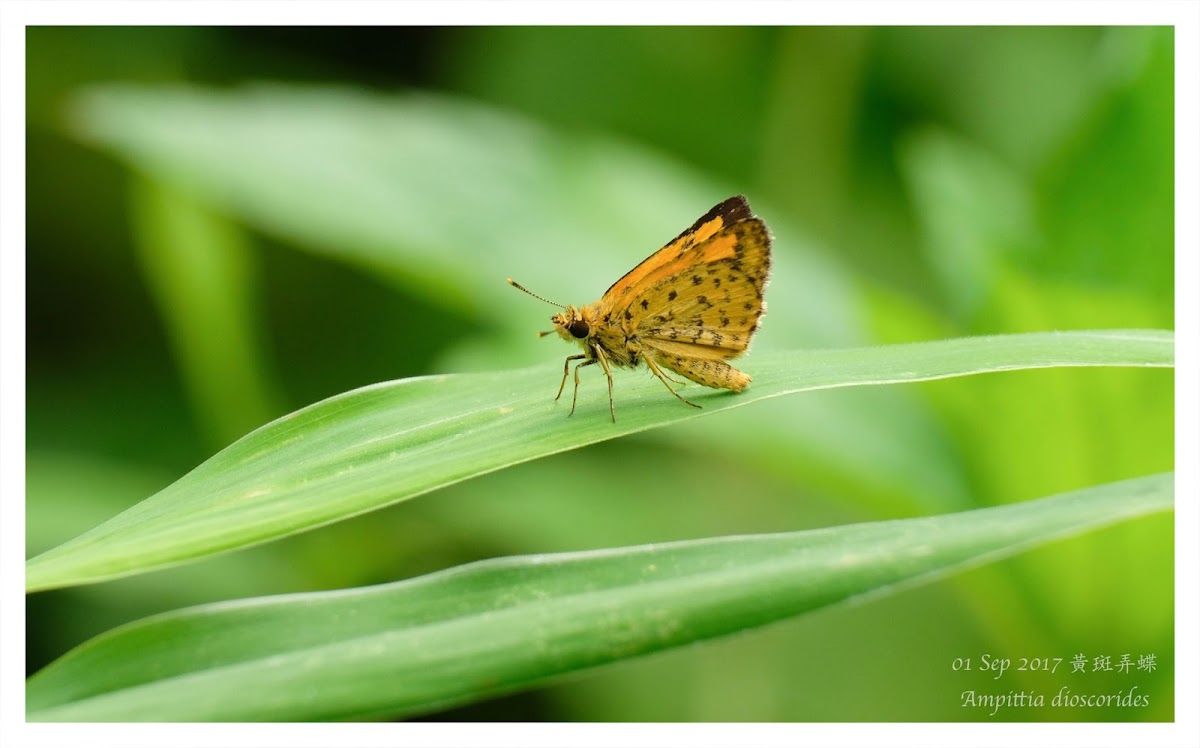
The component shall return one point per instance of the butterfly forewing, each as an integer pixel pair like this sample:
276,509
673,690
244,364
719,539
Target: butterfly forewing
697,302
721,216
717,298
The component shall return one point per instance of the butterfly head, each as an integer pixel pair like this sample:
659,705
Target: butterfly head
572,325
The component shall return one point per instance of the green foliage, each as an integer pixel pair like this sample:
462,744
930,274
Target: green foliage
496,626
232,252
390,442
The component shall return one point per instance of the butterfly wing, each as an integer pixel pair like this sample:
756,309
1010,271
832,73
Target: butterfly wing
709,307
676,252
697,302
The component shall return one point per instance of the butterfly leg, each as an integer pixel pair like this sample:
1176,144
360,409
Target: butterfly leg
566,370
575,394
608,373
673,379
663,377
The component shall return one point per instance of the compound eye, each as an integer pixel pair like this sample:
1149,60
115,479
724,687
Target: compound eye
579,328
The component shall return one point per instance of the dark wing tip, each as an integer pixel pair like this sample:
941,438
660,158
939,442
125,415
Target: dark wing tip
735,209
730,211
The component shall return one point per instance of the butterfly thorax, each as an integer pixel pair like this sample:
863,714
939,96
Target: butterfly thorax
590,328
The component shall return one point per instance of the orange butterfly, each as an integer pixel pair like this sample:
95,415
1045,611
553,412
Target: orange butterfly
689,307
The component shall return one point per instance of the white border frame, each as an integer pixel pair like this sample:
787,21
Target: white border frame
1184,15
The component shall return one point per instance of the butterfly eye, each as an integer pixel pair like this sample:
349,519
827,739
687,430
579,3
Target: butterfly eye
579,328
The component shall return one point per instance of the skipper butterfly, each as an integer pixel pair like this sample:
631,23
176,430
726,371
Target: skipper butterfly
689,307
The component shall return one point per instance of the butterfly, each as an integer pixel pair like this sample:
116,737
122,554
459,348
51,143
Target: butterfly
688,308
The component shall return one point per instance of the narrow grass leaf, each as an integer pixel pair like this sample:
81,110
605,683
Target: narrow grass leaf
498,626
381,444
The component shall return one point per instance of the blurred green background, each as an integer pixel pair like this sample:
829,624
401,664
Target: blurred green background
226,224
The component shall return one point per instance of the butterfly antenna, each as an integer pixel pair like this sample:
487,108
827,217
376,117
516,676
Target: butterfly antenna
518,286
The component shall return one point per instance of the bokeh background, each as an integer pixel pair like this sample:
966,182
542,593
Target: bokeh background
227,224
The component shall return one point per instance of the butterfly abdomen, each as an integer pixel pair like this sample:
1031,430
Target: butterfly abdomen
707,372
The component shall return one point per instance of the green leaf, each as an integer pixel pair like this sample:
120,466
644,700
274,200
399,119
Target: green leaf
381,444
197,265
417,187
497,626
376,182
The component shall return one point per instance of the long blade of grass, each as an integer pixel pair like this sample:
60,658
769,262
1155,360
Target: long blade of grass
378,445
501,625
